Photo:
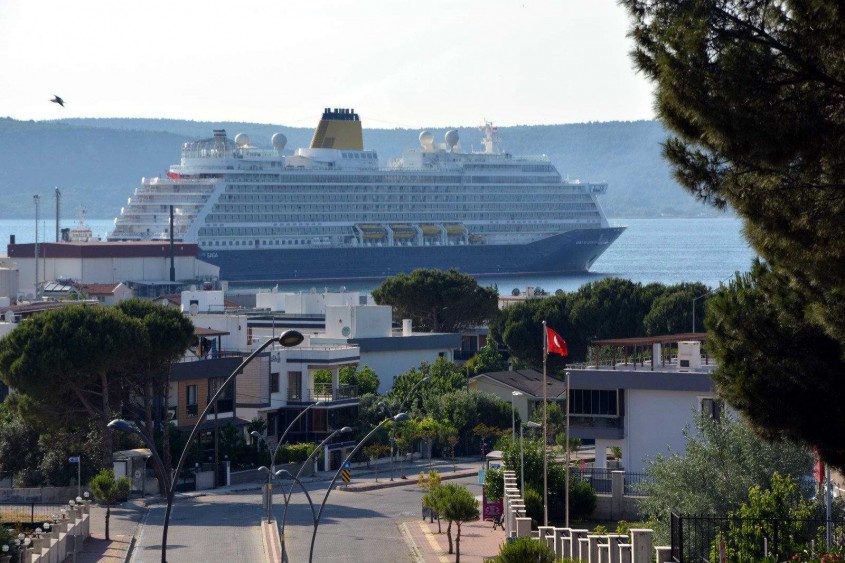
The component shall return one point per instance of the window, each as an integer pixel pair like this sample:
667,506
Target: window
274,383
190,401
711,408
294,385
225,403
594,402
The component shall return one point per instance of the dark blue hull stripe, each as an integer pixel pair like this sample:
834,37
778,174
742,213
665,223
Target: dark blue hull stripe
570,252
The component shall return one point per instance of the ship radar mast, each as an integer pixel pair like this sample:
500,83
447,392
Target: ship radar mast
491,138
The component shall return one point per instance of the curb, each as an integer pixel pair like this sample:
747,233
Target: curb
271,540
362,487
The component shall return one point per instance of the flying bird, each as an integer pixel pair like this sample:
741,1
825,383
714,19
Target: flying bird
58,100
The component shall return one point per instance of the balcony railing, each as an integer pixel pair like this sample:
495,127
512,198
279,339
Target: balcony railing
191,411
323,392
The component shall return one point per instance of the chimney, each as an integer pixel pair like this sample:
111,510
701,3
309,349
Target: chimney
407,329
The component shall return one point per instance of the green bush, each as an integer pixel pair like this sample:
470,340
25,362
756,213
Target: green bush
533,504
525,550
494,484
582,498
295,453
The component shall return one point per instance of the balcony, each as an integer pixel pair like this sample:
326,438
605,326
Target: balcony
591,427
323,392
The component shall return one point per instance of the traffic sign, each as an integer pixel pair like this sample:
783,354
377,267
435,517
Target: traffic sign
347,465
346,475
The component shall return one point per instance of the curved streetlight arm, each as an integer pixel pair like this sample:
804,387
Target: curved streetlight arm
132,428
399,417
296,479
294,339
411,392
285,433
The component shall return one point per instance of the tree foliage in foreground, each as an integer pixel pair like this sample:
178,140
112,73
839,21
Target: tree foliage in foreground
753,92
75,358
109,490
775,365
438,301
456,504
723,459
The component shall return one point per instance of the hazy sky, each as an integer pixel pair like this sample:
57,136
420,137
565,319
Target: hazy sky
398,63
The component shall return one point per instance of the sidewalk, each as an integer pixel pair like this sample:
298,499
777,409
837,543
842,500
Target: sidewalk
478,540
123,526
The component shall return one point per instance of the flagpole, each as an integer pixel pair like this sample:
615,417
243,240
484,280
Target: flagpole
545,430
566,493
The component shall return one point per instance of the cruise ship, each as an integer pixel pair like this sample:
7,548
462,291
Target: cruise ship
334,211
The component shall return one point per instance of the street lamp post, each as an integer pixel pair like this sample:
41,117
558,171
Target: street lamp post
287,339
513,413
280,473
529,424
693,306
268,493
401,417
258,439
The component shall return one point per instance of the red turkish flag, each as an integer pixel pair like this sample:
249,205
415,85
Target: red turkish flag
818,471
556,344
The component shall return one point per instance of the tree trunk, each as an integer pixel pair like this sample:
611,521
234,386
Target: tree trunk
165,439
108,514
439,530
105,418
449,535
458,544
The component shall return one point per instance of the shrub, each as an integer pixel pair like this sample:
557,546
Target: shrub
525,550
295,453
533,504
494,485
582,498
429,481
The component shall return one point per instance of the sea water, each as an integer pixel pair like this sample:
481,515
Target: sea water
668,251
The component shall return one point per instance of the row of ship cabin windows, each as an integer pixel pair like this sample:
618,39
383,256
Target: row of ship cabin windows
551,186
524,207
376,217
256,243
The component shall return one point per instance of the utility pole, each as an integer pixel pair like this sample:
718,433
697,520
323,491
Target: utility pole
58,209
37,200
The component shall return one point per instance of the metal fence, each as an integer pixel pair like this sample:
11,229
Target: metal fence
702,538
29,512
636,484
602,481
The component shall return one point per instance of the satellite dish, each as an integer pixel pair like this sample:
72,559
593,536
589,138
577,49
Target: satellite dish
515,292
346,331
426,138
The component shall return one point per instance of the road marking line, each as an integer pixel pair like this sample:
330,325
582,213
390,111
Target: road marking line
412,545
433,542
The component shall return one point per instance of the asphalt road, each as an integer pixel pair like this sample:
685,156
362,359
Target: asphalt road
355,526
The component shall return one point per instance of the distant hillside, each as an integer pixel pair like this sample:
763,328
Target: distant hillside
97,163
